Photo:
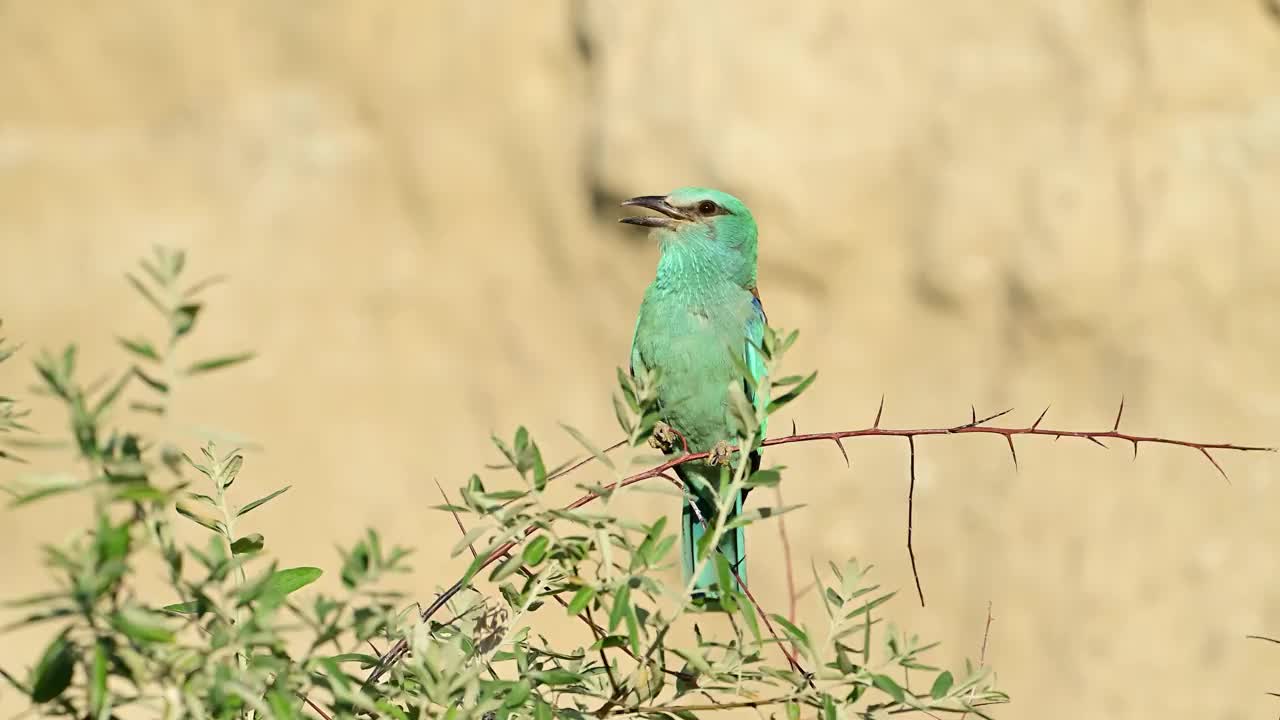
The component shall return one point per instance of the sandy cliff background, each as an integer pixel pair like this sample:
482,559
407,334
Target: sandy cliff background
1003,204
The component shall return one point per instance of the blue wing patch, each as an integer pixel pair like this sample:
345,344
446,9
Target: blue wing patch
755,362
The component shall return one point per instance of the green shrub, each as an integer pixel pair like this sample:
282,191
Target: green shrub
235,635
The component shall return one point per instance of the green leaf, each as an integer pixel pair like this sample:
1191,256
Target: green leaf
218,363
52,674
535,550
362,658
203,285
633,629
886,683
153,383
149,408
591,448
628,392
620,412
779,402
98,678
215,526
828,707
184,319
610,641
580,599
728,594
284,582
111,394
468,539
184,608
247,545
741,411
621,606
751,516
37,617
556,676
516,696
146,293
506,568
262,501
281,705
138,492
69,361
799,635
941,685
38,599
764,478
142,626
753,623
230,470
539,471
44,486
140,347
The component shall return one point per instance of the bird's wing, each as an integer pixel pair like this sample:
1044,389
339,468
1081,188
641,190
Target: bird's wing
636,360
755,362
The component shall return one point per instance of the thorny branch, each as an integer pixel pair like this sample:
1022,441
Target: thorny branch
975,426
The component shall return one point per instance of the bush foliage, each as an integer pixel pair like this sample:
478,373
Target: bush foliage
236,635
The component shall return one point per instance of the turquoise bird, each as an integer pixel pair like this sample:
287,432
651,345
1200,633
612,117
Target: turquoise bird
700,310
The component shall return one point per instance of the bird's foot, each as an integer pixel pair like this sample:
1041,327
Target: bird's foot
721,454
664,438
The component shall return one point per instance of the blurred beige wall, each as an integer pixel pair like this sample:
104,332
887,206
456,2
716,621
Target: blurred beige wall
1004,204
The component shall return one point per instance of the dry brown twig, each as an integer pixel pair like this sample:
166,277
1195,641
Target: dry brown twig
975,426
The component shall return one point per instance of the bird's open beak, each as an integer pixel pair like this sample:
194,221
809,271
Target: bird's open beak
656,203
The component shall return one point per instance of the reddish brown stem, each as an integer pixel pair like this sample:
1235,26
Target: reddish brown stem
396,652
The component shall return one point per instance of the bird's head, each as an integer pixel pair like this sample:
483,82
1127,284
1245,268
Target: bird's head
702,228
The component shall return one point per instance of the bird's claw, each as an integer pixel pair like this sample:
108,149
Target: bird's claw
663,438
721,454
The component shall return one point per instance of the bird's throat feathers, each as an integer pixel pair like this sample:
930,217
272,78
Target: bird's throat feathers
698,262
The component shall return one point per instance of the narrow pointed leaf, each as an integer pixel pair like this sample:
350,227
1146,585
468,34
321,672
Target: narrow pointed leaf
261,501
217,363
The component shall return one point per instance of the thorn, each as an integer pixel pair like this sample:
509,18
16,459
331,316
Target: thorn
374,648
1221,472
976,422
911,494
842,452
1012,452
1116,427
461,528
1095,441
973,415
1036,424
793,427
876,424
989,418
1135,449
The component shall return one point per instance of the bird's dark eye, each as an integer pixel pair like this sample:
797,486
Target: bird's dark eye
706,207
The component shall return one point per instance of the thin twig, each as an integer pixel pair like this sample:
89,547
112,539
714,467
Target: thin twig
706,707
604,659
787,563
461,528
982,655
316,707
986,633
911,505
